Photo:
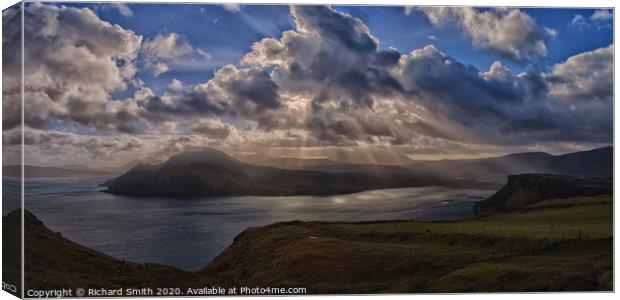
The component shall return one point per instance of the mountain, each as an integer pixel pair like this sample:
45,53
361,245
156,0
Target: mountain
527,189
212,172
591,163
39,172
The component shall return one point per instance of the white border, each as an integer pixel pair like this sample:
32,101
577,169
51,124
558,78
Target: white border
514,3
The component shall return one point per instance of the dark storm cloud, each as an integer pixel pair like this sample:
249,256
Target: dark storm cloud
459,89
503,108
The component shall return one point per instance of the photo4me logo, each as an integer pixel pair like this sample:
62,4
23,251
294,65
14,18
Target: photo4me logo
271,291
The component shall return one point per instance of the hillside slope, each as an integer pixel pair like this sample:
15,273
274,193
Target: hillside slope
555,248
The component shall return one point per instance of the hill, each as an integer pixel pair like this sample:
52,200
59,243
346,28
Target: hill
212,172
527,189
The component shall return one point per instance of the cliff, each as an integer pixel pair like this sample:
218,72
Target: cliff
527,189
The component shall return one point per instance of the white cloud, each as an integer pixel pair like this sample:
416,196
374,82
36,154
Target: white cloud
600,18
123,9
601,15
232,7
584,77
168,46
175,85
578,21
511,32
163,52
551,33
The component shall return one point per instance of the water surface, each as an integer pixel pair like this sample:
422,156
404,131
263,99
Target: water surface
189,233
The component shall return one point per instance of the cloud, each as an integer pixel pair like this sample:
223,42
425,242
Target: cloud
551,33
510,32
175,85
331,66
164,51
327,82
122,8
330,54
601,15
232,7
213,128
60,147
578,21
74,61
245,93
585,77
462,97
600,18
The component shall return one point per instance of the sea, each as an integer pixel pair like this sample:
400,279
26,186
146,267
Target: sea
189,233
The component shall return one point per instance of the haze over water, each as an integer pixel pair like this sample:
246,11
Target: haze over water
189,233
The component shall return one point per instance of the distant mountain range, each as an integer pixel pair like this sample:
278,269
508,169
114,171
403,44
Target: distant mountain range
592,163
212,172
42,172
31,171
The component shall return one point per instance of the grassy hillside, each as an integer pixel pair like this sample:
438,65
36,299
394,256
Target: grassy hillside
562,245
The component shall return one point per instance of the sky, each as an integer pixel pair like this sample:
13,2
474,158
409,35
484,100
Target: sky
112,83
